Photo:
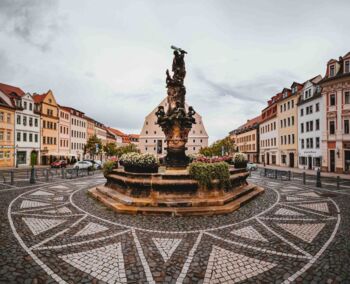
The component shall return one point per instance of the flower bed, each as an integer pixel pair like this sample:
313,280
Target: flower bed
139,163
240,160
203,159
205,173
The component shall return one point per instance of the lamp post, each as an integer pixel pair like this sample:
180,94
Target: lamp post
32,170
16,156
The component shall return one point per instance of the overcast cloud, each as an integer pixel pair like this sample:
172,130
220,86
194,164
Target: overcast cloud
108,58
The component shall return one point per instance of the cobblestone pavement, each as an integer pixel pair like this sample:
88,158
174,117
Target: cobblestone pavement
57,233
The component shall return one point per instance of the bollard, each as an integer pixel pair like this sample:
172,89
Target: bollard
289,174
264,172
12,177
250,172
318,178
62,172
338,182
77,172
47,175
275,174
304,178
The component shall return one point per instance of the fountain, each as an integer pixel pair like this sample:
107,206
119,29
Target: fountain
174,191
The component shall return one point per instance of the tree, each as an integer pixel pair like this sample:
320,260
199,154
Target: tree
218,148
126,149
93,146
110,149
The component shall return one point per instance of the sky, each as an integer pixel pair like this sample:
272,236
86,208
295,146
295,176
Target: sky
108,58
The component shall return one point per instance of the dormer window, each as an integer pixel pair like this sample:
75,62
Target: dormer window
331,71
347,66
285,94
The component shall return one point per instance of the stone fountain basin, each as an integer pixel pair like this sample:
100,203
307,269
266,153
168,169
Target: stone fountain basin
173,192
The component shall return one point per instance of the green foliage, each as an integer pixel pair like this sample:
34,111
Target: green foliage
110,149
91,146
205,173
108,167
240,160
33,158
126,149
216,148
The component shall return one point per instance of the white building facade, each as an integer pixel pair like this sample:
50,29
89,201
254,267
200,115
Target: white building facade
27,130
269,142
310,111
78,135
152,138
64,133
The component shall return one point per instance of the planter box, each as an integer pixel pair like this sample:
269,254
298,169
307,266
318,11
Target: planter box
241,165
136,169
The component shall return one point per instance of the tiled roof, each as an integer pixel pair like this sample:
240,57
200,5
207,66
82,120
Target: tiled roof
8,90
137,136
116,132
39,98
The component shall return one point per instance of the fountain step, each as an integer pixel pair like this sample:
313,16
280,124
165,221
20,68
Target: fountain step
172,200
200,209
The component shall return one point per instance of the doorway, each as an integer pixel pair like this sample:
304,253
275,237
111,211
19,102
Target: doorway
332,161
268,158
347,161
309,163
291,160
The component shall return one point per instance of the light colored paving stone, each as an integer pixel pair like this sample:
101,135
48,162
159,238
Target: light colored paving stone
32,204
250,233
309,194
294,198
321,207
228,267
43,193
62,210
305,232
166,246
90,229
37,225
288,212
104,263
59,187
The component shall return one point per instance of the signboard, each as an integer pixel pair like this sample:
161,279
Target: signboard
7,147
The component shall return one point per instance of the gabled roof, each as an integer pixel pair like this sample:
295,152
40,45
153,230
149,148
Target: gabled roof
39,98
70,108
248,125
135,136
8,90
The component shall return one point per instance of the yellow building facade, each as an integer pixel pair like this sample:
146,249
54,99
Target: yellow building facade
7,128
287,126
47,107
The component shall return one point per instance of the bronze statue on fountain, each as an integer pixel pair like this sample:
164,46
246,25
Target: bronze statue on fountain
176,123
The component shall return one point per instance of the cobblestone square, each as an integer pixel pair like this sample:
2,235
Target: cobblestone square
54,232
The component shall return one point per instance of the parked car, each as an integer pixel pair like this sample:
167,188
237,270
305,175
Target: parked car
82,165
252,166
96,164
59,164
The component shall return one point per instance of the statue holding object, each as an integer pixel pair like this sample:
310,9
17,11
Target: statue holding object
176,123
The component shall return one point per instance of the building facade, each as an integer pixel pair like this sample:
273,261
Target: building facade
152,138
64,134
7,128
247,139
268,133
46,106
287,126
310,109
78,133
336,116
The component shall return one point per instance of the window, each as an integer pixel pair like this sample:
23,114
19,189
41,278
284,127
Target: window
302,144
332,71
281,140
292,103
8,118
317,124
292,120
289,105
30,121
311,126
36,138
302,127
1,135
18,136
8,135
24,137
347,66
18,119
310,111
346,126
30,106
317,142
25,105
347,97
307,126
317,107
281,108
30,137
24,120
332,100
301,112
288,121
332,127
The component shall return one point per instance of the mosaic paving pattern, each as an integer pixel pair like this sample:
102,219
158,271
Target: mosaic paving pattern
72,243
